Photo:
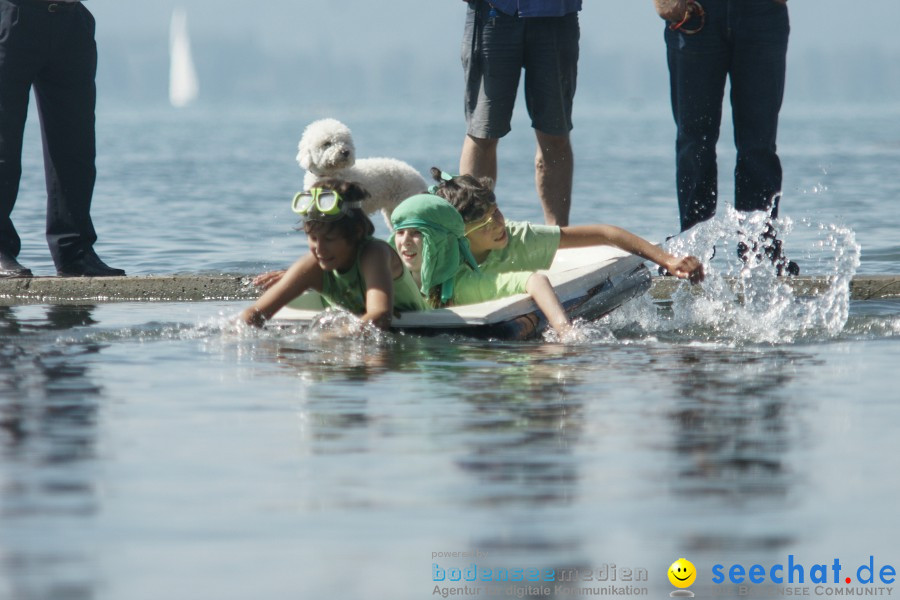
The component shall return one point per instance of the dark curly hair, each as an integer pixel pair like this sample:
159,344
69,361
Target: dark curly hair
353,226
472,196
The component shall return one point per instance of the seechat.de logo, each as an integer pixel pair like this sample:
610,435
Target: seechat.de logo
798,572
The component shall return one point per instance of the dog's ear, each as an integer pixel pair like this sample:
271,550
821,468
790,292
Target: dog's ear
303,156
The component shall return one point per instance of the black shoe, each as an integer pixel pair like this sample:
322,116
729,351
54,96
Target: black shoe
10,267
771,246
88,265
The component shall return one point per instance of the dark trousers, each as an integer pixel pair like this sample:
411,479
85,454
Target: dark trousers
52,48
746,41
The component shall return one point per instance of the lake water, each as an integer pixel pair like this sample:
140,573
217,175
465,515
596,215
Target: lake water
154,450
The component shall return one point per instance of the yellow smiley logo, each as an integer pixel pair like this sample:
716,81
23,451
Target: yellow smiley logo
682,573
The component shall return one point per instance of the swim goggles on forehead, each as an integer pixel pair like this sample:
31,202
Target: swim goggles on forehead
326,202
492,218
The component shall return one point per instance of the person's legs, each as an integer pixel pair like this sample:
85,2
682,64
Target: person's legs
757,87
13,112
761,36
18,63
551,73
66,98
554,168
492,64
479,157
698,66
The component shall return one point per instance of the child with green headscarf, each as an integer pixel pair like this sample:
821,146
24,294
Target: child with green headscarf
429,235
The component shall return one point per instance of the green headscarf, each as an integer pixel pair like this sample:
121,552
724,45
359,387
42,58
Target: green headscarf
444,244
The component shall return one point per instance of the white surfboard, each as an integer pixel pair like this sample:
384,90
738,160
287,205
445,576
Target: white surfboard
590,282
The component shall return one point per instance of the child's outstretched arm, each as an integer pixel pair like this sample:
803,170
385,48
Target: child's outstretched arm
303,275
543,295
579,236
375,266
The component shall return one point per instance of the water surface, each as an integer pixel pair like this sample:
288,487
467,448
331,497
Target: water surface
154,450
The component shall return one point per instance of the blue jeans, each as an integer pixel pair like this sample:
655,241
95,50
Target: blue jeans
746,41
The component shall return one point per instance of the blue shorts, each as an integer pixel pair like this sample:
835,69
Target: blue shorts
496,48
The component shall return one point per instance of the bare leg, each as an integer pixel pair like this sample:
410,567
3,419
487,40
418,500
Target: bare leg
554,167
479,157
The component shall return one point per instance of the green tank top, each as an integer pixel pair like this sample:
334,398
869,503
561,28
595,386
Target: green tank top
347,290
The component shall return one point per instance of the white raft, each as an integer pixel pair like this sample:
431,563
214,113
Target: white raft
590,282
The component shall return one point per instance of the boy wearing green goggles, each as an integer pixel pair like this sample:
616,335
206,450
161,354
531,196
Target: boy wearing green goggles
350,269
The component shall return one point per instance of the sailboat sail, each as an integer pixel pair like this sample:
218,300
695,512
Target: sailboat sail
183,84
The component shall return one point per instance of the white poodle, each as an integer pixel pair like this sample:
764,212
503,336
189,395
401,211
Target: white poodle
326,150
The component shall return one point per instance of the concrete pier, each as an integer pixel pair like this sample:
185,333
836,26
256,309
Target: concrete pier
195,288
153,288
862,287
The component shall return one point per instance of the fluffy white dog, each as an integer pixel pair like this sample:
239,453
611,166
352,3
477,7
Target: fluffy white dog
326,150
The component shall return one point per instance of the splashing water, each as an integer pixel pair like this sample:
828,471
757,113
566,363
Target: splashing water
740,302
581,332
342,324
744,300
330,324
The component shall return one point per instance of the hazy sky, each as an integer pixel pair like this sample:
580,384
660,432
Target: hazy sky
835,44
434,26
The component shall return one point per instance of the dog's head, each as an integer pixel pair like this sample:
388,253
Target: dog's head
326,146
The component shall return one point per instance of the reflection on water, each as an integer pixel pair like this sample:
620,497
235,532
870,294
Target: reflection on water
129,427
731,435
499,417
50,402
148,453
512,424
48,421
519,459
742,457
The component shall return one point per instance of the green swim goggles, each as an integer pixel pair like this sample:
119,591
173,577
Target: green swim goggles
322,203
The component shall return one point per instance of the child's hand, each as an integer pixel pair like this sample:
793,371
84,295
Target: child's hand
688,267
571,333
253,316
267,280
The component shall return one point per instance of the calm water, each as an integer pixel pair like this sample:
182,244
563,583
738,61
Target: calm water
157,451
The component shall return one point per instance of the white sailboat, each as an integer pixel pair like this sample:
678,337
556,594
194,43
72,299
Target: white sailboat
183,83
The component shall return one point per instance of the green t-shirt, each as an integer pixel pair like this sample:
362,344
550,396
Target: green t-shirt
348,290
471,287
531,248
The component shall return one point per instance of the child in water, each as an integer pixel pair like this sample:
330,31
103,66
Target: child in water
351,269
499,245
429,234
